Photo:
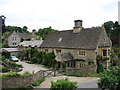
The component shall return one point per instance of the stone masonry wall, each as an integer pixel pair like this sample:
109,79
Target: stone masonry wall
15,82
86,70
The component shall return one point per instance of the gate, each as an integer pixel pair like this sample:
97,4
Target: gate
49,73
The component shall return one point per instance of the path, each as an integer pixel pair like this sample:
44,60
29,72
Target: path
31,67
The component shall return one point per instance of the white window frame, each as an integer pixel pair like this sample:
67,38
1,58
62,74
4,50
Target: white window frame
82,53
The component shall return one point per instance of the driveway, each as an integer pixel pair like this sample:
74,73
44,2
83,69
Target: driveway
80,80
31,67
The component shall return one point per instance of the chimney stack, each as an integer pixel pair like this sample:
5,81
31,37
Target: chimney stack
78,26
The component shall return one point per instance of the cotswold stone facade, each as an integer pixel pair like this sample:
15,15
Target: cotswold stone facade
83,44
15,38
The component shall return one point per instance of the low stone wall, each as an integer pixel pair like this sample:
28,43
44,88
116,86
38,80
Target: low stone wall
86,70
14,82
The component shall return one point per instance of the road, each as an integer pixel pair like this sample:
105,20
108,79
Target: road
89,83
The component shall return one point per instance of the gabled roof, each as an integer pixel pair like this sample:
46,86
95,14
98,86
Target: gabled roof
86,39
24,35
21,35
31,43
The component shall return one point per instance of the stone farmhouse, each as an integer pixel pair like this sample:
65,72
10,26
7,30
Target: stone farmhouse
77,49
14,38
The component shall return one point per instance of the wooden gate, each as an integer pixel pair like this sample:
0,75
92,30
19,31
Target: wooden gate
49,73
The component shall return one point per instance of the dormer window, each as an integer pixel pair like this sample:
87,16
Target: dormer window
60,39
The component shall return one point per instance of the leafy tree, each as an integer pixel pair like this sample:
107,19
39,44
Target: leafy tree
110,79
24,29
49,59
43,32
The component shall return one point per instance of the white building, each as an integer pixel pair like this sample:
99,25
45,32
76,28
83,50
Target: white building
119,12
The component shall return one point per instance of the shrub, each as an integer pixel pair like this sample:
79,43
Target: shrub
26,73
63,84
5,69
38,82
13,74
3,58
49,57
83,75
110,79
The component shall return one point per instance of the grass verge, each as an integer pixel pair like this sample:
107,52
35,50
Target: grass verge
38,82
82,75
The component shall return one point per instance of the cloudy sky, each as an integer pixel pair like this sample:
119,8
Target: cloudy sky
60,14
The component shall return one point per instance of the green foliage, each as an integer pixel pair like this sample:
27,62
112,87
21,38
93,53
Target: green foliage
49,60
5,70
112,28
3,58
99,60
38,82
13,74
63,84
43,32
110,79
26,73
83,75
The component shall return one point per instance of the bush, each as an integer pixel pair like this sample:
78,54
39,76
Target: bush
5,70
38,82
3,58
83,75
49,57
63,84
13,74
26,73
110,79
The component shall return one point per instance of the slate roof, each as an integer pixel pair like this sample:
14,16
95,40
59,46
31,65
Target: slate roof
21,35
87,39
31,43
24,35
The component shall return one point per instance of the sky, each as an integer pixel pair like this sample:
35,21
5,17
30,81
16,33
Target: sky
60,14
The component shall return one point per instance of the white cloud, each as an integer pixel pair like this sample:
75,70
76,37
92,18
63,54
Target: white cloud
59,14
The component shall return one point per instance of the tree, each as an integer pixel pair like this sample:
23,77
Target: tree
110,79
24,29
43,32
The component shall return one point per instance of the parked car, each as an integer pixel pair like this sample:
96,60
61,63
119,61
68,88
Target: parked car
14,58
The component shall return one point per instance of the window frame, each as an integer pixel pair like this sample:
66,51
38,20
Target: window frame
82,53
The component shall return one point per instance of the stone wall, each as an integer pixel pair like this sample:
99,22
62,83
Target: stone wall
86,70
14,82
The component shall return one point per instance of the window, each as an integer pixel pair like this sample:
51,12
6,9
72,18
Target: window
14,38
58,51
108,52
14,43
104,52
82,65
46,50
82,53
